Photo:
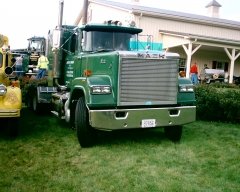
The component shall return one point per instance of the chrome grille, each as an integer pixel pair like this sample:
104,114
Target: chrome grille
148,81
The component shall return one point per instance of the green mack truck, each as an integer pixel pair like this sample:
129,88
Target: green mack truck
99,80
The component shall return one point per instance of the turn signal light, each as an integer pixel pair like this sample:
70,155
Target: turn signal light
87,72
15,84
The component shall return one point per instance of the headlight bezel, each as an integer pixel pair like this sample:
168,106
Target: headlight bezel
100,89
3,90
186,88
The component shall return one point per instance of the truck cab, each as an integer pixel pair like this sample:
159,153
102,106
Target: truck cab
31,53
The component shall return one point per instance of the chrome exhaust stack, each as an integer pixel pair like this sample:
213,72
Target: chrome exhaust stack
57,43
85,10
60,14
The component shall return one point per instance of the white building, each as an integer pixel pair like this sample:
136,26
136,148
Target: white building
203,39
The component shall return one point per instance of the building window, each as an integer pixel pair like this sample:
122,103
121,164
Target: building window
220,65
182,64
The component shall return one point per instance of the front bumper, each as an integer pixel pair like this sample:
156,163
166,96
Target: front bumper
9,113
132,118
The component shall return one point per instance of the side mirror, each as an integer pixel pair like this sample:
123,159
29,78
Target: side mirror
56,38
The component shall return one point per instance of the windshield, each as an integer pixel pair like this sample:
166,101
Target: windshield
35,44
108,41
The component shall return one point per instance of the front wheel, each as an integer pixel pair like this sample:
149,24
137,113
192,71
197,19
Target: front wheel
173,133
85,133
37,107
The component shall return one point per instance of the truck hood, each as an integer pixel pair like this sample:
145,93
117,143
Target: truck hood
148,54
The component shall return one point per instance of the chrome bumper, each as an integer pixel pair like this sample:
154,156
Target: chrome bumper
132,118
9,113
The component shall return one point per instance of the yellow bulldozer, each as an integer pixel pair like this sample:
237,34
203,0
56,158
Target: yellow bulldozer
10,92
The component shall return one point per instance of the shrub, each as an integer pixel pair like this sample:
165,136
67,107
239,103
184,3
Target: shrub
229,101
218,102
225,85
27,81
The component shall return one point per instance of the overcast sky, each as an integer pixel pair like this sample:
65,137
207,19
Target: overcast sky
22,19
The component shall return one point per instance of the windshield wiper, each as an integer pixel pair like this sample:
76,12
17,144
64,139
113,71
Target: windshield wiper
102,50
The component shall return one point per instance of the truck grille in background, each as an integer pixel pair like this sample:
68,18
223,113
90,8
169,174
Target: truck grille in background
148,81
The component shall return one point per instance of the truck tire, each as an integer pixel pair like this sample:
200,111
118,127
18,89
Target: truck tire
85,133
173,133
37,107
72,114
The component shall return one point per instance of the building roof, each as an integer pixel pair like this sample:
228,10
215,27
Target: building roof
169,14
214,3
202,37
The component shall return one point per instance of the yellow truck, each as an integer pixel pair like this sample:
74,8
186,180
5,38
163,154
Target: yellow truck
10,92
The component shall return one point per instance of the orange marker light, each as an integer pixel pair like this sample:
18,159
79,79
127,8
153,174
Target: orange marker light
15,84
182,74
87,72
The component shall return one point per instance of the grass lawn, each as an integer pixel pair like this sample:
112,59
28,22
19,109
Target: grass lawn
46,156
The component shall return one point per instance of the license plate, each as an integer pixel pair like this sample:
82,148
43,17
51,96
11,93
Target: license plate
148,123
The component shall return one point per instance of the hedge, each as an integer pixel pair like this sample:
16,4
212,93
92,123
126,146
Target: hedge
215,102
218,102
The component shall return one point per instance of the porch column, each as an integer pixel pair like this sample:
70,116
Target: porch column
232,58
189,56
189,53
232,66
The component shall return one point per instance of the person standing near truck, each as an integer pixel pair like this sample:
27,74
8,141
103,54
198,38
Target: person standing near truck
18,66
194,73
202,77
42,66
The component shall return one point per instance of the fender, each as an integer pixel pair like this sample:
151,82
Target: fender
188,97
94,100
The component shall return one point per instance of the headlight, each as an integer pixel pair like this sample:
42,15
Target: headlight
186,88
100,90
3,89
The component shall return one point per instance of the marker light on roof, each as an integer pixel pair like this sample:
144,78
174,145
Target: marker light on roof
132,23
109,22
